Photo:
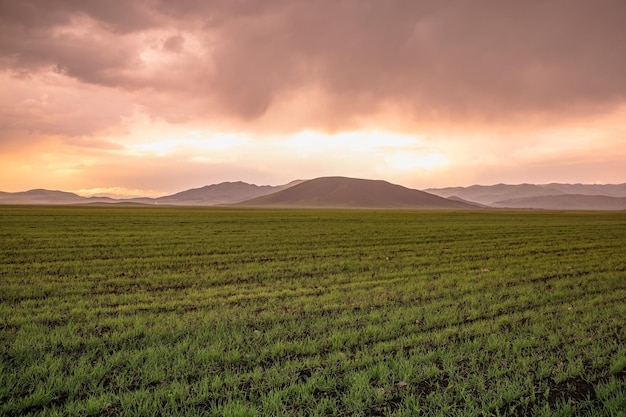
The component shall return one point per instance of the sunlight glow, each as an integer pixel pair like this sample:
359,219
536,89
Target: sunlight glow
310,141
386,150
197,144
116,192
410,161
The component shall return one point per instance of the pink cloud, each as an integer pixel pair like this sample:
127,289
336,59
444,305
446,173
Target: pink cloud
487,60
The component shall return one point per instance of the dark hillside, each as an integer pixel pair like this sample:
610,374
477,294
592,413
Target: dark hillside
344,192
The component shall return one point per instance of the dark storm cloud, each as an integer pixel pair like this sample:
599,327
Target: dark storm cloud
174,43
118,15
487,59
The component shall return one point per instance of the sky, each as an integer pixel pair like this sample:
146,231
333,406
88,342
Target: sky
152,97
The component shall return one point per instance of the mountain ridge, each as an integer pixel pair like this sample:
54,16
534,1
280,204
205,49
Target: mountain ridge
492,194
214,194
556,196
565,202
343,192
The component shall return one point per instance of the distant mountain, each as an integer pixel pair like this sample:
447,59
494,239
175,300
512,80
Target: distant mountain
565,202
341,192
491,194
610,190
40,196
223,193
488,194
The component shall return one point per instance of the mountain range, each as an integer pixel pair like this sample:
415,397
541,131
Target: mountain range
543,196
210,195
342,192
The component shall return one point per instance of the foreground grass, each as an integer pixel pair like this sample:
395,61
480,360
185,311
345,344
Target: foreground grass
117,311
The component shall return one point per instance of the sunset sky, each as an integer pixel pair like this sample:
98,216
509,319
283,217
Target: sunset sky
151,97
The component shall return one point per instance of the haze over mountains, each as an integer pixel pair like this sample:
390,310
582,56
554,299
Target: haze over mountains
565,202
341,192
545,196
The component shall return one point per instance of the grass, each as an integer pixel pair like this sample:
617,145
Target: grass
152,311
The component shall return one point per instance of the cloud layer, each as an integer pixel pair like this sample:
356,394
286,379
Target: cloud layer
86,73
482,59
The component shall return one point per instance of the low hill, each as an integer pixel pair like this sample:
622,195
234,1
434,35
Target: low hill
488,194
494,195
565,202
341,192
223,193
40,196
609,190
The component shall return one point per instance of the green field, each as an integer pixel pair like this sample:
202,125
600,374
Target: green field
154,311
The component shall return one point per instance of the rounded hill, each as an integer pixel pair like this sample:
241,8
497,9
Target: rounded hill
342,192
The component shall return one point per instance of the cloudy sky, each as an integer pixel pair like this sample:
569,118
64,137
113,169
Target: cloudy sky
151,97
